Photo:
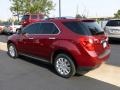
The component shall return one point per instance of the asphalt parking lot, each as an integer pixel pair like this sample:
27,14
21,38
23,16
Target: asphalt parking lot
29,74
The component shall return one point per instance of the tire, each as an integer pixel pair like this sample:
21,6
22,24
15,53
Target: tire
12,52
64,66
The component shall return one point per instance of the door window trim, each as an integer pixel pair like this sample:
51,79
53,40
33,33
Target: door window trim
44,22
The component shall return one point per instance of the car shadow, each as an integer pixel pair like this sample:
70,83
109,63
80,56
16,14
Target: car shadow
74,83
114,41
46,65
39,63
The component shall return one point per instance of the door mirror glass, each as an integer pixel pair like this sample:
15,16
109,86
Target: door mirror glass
19,30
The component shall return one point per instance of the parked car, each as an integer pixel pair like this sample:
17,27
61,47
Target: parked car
112,29
10,29
30,18
1,29
71,45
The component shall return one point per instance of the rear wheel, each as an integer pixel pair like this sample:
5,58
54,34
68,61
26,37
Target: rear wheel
64,66
12,51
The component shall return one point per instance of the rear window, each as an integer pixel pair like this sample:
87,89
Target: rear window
25,17
84,28
113,23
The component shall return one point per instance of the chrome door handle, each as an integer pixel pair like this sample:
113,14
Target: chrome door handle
52,38
31,38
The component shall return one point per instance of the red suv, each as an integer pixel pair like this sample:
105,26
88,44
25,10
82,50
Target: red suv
71,45
30,18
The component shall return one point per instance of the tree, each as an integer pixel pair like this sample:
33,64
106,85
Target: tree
17,7
117,15
78,16
20,7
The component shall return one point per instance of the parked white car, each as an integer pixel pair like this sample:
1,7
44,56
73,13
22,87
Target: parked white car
112,28
1,28
11,29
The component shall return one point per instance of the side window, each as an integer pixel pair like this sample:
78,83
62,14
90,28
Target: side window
33,29
25,17
33,16
41,16
49,28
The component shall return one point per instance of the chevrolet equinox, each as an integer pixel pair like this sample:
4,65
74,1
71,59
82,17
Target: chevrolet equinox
71,45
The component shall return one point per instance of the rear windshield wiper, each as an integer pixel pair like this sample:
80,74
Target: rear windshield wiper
97,33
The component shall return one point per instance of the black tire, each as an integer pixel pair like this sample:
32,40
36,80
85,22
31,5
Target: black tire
15,53
67,69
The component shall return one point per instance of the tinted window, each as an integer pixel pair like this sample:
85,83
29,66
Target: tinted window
49,28
84,28
33,29
93,27
113,23
25,17
41,16
34,16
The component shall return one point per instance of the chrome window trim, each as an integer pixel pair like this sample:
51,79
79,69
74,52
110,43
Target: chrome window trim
43,34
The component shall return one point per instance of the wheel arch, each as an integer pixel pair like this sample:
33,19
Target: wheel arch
8,42
64,52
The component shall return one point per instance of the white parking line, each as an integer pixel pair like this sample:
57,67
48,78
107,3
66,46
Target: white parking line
3,46
106,73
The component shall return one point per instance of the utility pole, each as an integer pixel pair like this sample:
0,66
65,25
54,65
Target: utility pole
59,8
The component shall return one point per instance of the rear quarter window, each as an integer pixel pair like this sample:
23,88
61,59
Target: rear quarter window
84,28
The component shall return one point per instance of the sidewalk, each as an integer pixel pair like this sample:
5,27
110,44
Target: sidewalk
106,73
3,46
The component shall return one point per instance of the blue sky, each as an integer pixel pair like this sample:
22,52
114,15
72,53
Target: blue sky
91,8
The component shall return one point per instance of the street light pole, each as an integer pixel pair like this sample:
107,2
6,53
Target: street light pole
59,8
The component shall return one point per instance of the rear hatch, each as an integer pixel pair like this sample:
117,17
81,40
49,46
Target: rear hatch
91,35
113,27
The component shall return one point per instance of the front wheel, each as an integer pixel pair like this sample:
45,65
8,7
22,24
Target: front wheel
64,66
12,52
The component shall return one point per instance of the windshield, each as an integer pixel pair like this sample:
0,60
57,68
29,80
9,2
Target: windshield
84,28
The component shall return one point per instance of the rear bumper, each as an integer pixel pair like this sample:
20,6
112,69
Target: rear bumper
106,53
86,69
114,36
91,61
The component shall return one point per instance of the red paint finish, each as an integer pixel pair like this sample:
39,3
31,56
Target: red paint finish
86,50
31,18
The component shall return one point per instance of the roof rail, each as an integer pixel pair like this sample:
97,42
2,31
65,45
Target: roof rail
59,18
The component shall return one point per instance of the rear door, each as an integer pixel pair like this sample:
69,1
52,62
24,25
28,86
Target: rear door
45,40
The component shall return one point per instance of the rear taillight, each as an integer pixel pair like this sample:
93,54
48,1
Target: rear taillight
88,43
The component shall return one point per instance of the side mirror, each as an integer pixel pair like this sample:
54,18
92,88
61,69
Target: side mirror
19,30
